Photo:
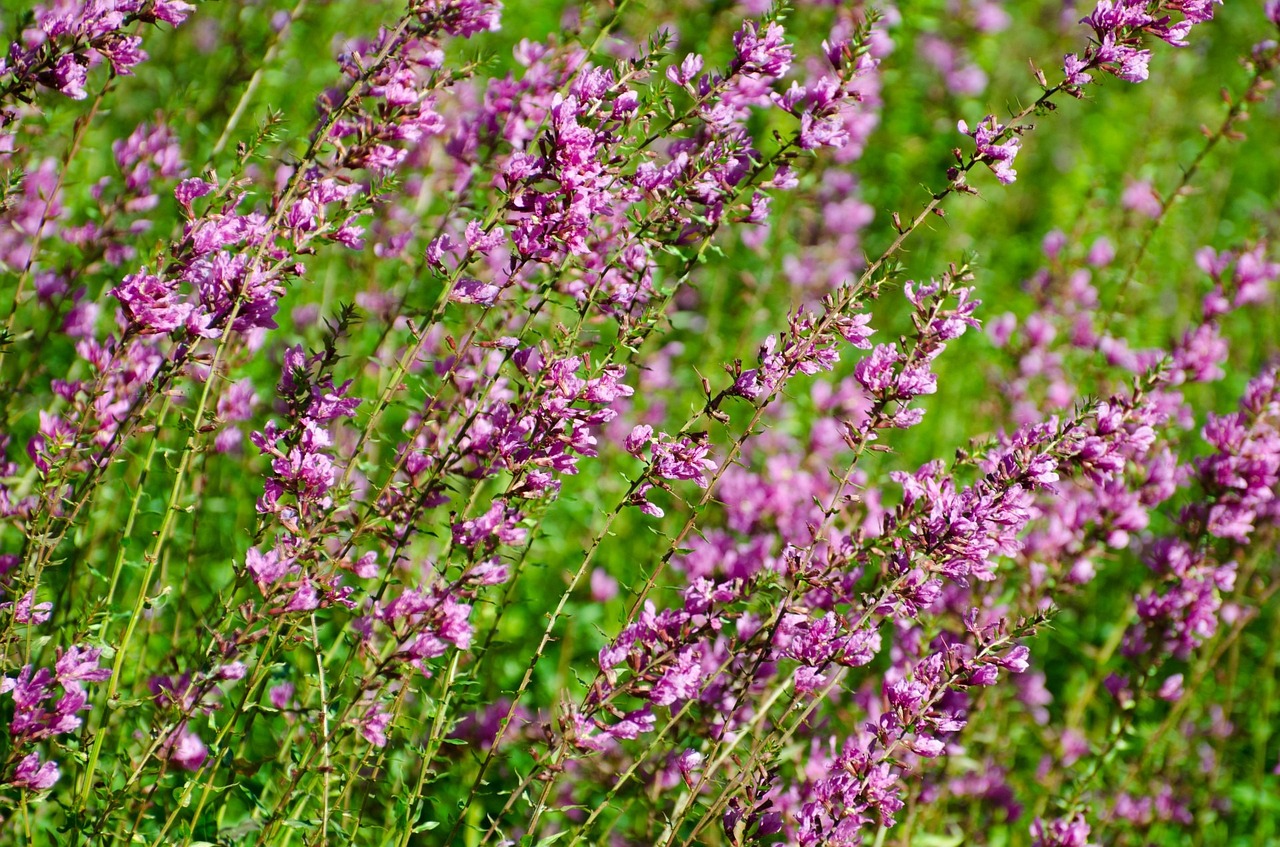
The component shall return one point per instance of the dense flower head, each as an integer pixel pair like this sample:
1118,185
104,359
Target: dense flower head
762,49
151,304
462,17
1118,26
41,713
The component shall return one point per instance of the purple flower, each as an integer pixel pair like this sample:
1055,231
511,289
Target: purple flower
875,372
1118,27
1141,197
266,568
171,12
686,71
28,611
281,695
305,597
464,18
762,50
469,290
70,75
633,725
684,458
81,664
603,586
34,776
681,681
997,146
373,723
152,305
1064,832
187,750
189,189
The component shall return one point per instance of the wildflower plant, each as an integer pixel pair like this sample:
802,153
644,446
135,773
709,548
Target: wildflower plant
671,423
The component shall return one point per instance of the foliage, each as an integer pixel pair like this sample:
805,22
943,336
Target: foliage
678,423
